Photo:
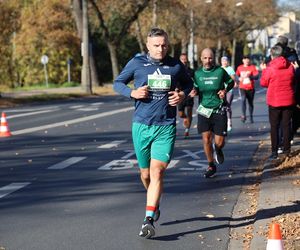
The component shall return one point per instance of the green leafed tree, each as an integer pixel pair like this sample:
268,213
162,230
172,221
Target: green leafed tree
9,25
47,28
114,18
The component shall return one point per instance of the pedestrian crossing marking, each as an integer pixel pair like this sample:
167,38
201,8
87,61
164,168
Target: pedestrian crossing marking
67,163
112,144
8,189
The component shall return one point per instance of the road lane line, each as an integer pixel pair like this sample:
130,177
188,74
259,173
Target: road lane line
68,122
97,103
6,190
76,107
88,109
112,144
30,109
67,163
31,113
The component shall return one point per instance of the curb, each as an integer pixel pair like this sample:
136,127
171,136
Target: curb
277,196
242,223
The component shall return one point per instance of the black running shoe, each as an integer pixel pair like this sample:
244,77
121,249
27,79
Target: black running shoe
273,156
147,230
157,214
210,171
218,155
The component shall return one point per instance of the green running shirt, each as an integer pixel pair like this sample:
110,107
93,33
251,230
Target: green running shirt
209,82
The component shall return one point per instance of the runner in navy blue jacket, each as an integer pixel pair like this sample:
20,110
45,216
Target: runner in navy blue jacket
160,83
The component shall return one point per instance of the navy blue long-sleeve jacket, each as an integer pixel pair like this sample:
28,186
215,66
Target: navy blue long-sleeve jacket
161,77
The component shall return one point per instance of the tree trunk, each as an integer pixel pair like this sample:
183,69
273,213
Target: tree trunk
184,44
154,13
85,73
93,69
77,13
139,36
114,59
233,53
113,40
192,44
218,52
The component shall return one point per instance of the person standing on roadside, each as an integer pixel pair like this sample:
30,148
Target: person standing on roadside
291,55
279,78
247,73
229,96
211,83
185,108
156,78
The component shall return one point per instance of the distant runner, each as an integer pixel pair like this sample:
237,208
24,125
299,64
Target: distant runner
185,108
210,81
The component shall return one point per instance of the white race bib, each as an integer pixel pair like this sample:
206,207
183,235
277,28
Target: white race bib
206,112
159,82
246,80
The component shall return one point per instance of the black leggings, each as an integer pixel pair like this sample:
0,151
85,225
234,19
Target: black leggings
249,96
283,115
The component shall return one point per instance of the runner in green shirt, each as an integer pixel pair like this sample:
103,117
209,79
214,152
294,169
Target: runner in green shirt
210,81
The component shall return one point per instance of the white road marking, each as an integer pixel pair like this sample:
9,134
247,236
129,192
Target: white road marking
130,154
236,99
67,163
202,164
31,113
6,190
127,164
189,153
187,169
68,122
112,144
118,165
172,164
88,109
96,103
260,91
31,109
76,107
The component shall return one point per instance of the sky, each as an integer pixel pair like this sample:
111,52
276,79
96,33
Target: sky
289,2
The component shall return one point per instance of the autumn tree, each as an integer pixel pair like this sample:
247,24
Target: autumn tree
223,21
9,25
171,15
115,18
76,6
47,27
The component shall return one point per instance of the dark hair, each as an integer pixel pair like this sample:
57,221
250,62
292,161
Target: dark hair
154,32
276,51
283,40
246,56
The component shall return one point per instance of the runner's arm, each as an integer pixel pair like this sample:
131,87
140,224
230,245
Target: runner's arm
121,82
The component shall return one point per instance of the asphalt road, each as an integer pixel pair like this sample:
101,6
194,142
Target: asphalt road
69,180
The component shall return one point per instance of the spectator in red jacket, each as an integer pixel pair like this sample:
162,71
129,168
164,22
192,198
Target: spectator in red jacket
247,73
279,78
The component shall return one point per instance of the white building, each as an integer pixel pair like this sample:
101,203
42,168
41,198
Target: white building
287,25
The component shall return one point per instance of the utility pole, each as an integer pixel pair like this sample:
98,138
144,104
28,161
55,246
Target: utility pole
85,72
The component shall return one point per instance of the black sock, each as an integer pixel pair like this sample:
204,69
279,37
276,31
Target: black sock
211,164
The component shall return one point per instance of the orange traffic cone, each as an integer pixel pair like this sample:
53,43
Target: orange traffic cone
274,239
4,130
